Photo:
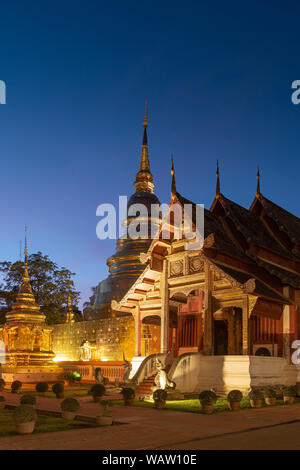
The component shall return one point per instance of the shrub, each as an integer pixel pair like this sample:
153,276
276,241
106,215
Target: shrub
289,391
160,395
234,395
2,384
207,397
42,387
97,390
16,386
106,405
270,392
58,388
70,404
28,400
256,394
128,393
24,414
2,398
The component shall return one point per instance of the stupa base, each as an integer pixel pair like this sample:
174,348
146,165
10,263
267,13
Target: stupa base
31,374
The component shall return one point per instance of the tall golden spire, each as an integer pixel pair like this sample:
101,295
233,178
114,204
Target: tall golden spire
258,182
173,187
144,178
218,191
69,314
26,275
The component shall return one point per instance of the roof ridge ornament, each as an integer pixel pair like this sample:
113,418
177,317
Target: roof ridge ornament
218,191
258,182
173,186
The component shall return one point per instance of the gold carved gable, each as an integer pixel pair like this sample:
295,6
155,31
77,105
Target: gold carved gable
196,263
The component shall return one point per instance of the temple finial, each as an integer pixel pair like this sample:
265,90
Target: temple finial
218,191
145,124
173,187
144,178
258,182
26,275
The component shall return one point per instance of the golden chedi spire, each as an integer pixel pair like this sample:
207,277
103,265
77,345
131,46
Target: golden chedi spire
25,309
258,182
144,178
173,186
69,314
218,191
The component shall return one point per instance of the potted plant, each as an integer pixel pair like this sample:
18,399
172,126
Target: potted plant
270,396
2,385
42,388
256,398
207,399
289,394
58,389
2,402
69,406
28,400
97,391
128,395
234,398
24,417
74,377
16,386
105,419
160,397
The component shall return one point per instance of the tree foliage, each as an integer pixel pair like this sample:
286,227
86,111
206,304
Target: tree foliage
49,285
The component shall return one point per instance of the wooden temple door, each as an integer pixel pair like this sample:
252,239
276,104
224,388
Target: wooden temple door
188,333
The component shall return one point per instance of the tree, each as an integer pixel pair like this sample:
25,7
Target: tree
50,286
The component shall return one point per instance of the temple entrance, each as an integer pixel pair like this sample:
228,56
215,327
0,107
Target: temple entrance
186,322
228,331
220,337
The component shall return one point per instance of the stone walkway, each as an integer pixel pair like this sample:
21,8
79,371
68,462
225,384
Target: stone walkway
147,428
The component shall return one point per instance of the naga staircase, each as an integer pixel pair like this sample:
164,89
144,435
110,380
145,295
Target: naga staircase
145,388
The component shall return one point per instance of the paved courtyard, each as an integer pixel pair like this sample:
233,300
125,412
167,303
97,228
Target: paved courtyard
147,428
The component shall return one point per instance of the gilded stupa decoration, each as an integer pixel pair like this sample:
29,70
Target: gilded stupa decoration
27,338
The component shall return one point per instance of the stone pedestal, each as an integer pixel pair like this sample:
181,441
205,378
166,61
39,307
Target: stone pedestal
33,374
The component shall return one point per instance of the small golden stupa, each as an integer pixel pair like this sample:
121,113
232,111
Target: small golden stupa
28,354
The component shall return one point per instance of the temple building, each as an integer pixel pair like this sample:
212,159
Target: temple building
28,354
124,266
222,315
227,313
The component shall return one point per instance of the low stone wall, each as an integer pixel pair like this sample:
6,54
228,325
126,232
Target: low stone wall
111,337
195,372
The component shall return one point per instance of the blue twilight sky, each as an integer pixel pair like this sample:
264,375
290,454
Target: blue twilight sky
218,77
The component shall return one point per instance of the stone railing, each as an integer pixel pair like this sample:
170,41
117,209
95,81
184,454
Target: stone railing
111,370
147,368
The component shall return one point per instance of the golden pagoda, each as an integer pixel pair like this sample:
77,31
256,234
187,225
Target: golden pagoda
125,265
27,338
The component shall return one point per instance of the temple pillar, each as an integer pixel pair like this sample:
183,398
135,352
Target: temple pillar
286,330
207,316
164,329
231,332
245,327
138,331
